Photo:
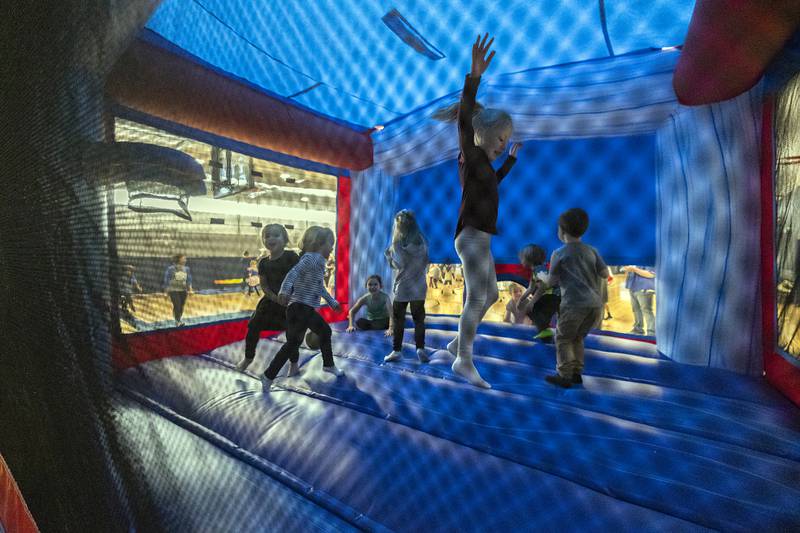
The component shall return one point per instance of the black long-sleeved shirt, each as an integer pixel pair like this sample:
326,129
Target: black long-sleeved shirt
479,181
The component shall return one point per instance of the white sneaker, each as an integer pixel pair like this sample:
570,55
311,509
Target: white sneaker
392,357
333,370
266,383
422,355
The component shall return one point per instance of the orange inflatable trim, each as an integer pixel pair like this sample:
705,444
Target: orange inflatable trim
729,45
176,87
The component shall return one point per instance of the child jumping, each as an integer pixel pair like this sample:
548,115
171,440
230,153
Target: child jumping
578,269
408,256
270,314
483,135
379,308
301,291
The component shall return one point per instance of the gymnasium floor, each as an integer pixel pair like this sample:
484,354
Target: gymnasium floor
154,311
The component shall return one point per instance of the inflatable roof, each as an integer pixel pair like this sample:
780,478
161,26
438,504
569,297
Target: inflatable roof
366,63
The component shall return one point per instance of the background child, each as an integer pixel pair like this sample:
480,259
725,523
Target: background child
301,291
408,256
483,135
252,279
178,285
379,308
578,269
435,275
270,314
244,265
515,310
542,310
128,284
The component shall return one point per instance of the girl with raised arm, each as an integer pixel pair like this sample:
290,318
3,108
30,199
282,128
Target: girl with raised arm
483,135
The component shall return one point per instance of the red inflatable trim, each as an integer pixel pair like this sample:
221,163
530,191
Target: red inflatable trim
729,45
14,514
171,86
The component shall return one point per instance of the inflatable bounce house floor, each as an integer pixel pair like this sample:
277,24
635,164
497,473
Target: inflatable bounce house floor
644,444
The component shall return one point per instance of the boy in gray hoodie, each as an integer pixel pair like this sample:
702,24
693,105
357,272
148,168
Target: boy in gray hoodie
408,256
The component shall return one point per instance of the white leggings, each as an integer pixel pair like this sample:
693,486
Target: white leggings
480,284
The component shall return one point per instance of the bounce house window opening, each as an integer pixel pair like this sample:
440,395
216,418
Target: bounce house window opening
221,245
787,227
629,308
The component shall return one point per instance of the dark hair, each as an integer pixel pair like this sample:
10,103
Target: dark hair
266,229
533,254
246,252
574,222
376,278
177,257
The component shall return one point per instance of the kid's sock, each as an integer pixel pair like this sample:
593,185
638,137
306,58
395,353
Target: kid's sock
333,370
392,357
452,346
464,367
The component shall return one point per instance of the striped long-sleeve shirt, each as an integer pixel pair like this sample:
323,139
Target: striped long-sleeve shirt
305,281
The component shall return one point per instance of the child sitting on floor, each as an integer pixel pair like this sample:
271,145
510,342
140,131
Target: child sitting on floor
379,308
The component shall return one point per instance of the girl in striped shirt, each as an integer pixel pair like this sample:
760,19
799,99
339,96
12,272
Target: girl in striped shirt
300,292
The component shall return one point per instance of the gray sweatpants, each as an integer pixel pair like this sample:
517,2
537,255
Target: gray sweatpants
574,323
480,284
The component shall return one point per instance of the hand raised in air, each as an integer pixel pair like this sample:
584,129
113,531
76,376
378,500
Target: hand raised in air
480,62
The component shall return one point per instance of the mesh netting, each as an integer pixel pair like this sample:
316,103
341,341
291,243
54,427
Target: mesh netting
787,246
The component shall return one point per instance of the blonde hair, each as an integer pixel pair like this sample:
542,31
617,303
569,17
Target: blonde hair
405,229
486,121
314,238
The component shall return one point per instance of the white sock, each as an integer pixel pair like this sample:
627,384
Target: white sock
422,355
243,364
294,369
464,367
394,356
333,370
265,383
452,346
